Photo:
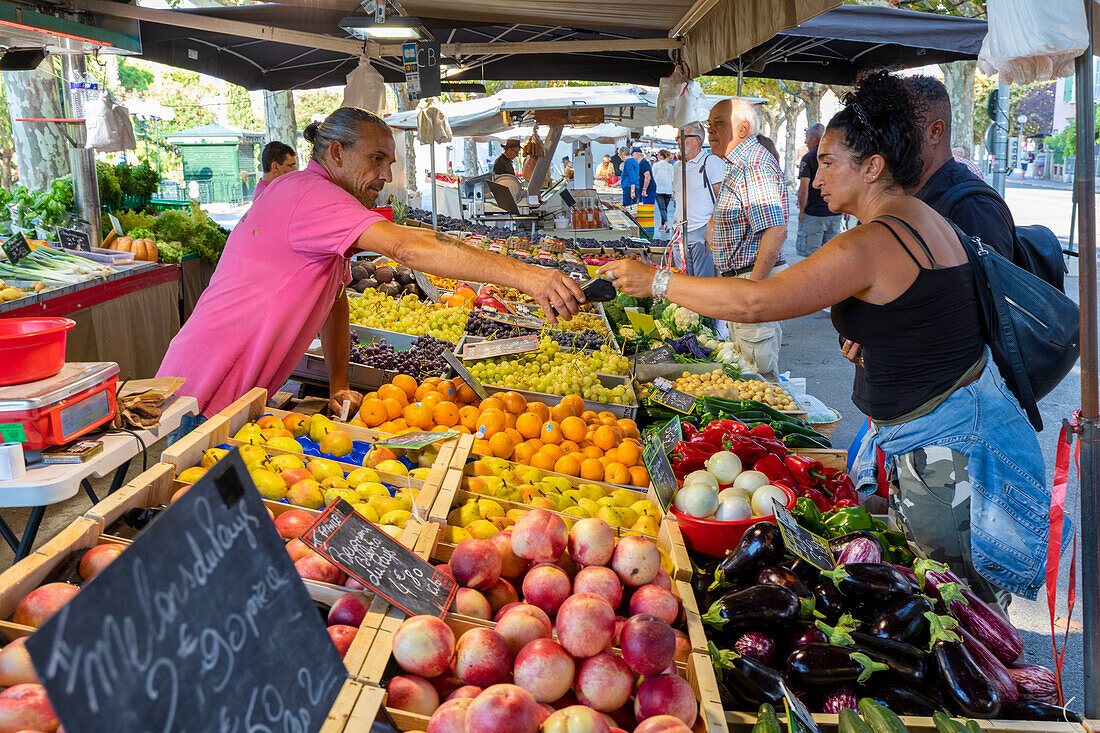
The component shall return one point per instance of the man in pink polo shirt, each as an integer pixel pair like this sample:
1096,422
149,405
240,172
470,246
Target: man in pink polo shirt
281,278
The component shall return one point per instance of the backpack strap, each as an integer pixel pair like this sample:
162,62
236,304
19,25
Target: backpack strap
706,179
947,201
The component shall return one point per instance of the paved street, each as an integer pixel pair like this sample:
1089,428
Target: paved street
810,350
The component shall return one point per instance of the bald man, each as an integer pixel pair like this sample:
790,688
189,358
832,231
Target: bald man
816,223
749,223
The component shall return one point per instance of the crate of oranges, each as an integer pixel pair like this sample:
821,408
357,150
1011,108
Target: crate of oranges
564,438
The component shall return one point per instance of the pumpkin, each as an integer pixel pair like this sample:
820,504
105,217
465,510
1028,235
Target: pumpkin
122,244
144,250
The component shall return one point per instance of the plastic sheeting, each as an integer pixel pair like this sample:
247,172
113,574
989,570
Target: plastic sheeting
1029,41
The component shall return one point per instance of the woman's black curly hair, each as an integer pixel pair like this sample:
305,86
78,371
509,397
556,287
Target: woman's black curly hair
878,119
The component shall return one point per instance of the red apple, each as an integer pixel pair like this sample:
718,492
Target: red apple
601,581
26,707
15,664
424,646
501,593
42,602
97,558
657,601
315,567
666,694
636,560
519,629
604,682
349,610
290,524
342,636
585,624
546,586
469,602
450,717
540,536
511,565
475,564
503,709
576,719
648,644
412,694
544,669
591,542
482,658
662,724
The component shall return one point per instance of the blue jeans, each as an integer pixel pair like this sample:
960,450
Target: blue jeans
1010,500
187,424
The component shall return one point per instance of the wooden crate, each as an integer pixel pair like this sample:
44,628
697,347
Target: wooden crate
829,457
743,723
151,488
341,712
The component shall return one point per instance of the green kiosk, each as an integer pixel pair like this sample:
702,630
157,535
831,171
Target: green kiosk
220,160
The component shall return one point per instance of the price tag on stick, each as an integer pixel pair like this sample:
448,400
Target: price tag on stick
671,397
418,439
799,717
671,433
431,292
500,347
660,471
363,551
463,372
218,634
74,239
802,542
16,247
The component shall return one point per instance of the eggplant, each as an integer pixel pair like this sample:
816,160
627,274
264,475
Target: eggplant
830,602
903,621
760,605
976,616
750,682
994,669
967,688
808,572
758,645
904,662
860,549
762,544
840,699
819,665
904,701
781,576
872,583
1035,710
701,578
1034,682
837,544
808,635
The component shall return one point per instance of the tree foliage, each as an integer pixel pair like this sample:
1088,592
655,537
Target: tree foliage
133,78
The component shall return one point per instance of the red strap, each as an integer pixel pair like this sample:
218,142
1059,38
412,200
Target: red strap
1054,547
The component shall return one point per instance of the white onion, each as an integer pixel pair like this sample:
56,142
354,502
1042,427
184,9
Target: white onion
724,466
733,509
734,492
762,500
750,481
702,477
698,501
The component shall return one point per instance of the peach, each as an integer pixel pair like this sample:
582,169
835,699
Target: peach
447,682
475,564
501,594
683,646
482,658
291,524
298,549
666,694
97,558
349,610
662,580
296,423
657,601
342,636
470,691
662,724
412,694
450,717
591,542
540,536
545,711
512,565
648,644
445,568
354,584
636,561
585,624
546,586
26,707
15,664
576,719
604,682
37,606
499,613
532,610
544,669
519,629
315,567
601,581
469,602
503,709
424,646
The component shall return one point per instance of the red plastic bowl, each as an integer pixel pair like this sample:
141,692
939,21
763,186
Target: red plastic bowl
712,537
32,348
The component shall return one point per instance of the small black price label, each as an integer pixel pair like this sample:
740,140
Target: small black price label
660,471
431,292
16,247
799,717
671,433
74,239
363,551
801,541
502,347
463,372
671,397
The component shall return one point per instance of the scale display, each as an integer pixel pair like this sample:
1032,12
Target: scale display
75,418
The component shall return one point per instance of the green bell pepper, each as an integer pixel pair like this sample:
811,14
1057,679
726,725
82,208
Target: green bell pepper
902,556
841,521
808,516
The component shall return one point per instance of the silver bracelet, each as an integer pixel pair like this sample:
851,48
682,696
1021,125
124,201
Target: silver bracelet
660,283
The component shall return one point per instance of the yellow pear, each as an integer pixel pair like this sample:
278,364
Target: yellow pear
497,465
508,493
666,563
588,505
287,444
501,523
420,473
319,425
406,496
210,456
487,485
543,502
529,492
511,478
625,497
335,482
367,511
575,495
563,502
611,515
576,511
607,501
367,489
648,508
361,475
391,530
427,458
269,484
249,454
515,514
558,482
283,462
247,434
465,514
482,529
528,474
593,491
646,525
628,516
546,489
383,504
395,518
488,509
456,535
347,495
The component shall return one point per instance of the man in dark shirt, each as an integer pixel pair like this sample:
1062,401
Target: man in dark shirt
503,164
816,223
977,214
648,192
617,161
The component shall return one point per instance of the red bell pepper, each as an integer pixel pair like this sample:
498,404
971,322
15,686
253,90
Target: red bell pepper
729,426
745,448
844,489
763,430
688,457
820,501
772,466
805,470
771,445
843,503
688,430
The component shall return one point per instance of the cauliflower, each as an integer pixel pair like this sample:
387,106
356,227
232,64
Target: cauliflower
685,320
664,331
628,332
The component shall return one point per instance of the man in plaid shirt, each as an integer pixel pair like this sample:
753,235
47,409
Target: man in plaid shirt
749,224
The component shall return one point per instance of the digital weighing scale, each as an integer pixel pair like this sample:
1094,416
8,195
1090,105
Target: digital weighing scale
61,408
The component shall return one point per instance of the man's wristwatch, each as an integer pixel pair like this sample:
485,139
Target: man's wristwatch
660,283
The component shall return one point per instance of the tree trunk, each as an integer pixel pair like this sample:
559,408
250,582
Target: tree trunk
279,118
7,180
790,121
41,151
469,157
958,77
812,97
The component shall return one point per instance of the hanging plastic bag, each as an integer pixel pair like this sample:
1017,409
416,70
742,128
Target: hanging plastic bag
680,99
365,89
1029,41
431,122
108,125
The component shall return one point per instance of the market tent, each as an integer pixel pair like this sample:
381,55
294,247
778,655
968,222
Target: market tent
834,47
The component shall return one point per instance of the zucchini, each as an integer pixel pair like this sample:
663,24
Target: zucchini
880,718
766,720
850,722
944,723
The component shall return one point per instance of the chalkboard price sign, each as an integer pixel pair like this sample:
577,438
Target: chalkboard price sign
660,471
660,355
518,320
502,347
802,542
16,247
74,239
799,717
217,634
671,397
380,562
431,292
463,372
418,439
671,433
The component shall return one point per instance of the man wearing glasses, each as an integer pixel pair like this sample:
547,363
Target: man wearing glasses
704,178
503,164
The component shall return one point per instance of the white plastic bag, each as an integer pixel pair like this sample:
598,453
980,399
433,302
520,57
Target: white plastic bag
1033,41
365,89
108,126
680,100
431,122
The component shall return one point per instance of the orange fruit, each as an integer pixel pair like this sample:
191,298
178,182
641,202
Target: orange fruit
446,414
373,413
569,446
424,388
433,380
560,412
612,455
616,473
629,428
535,443
609,419
482,447
400,424
543,460
394,392
591,469
466,394
551,432
386,427
406,382
604,414
463,429
393,408
431,399
540,409
592,451
574,402
440,428
502,445
370,395
629,453
523,453
357,422
491,402
510,420
639,476
607,460
573,428
528,424
514,402
551,449
568,465
588,416
489,423
468,416
418,415
514,435
447,389
605,437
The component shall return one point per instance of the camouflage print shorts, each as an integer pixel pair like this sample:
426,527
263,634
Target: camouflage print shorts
932,502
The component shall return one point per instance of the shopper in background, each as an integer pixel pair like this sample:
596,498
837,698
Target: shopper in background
648,191
704,172
960,156
769,145
749,223
971,485
662,175
617,160
503,164
605,172
816,223
276,159
567,168
630,179
295,242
